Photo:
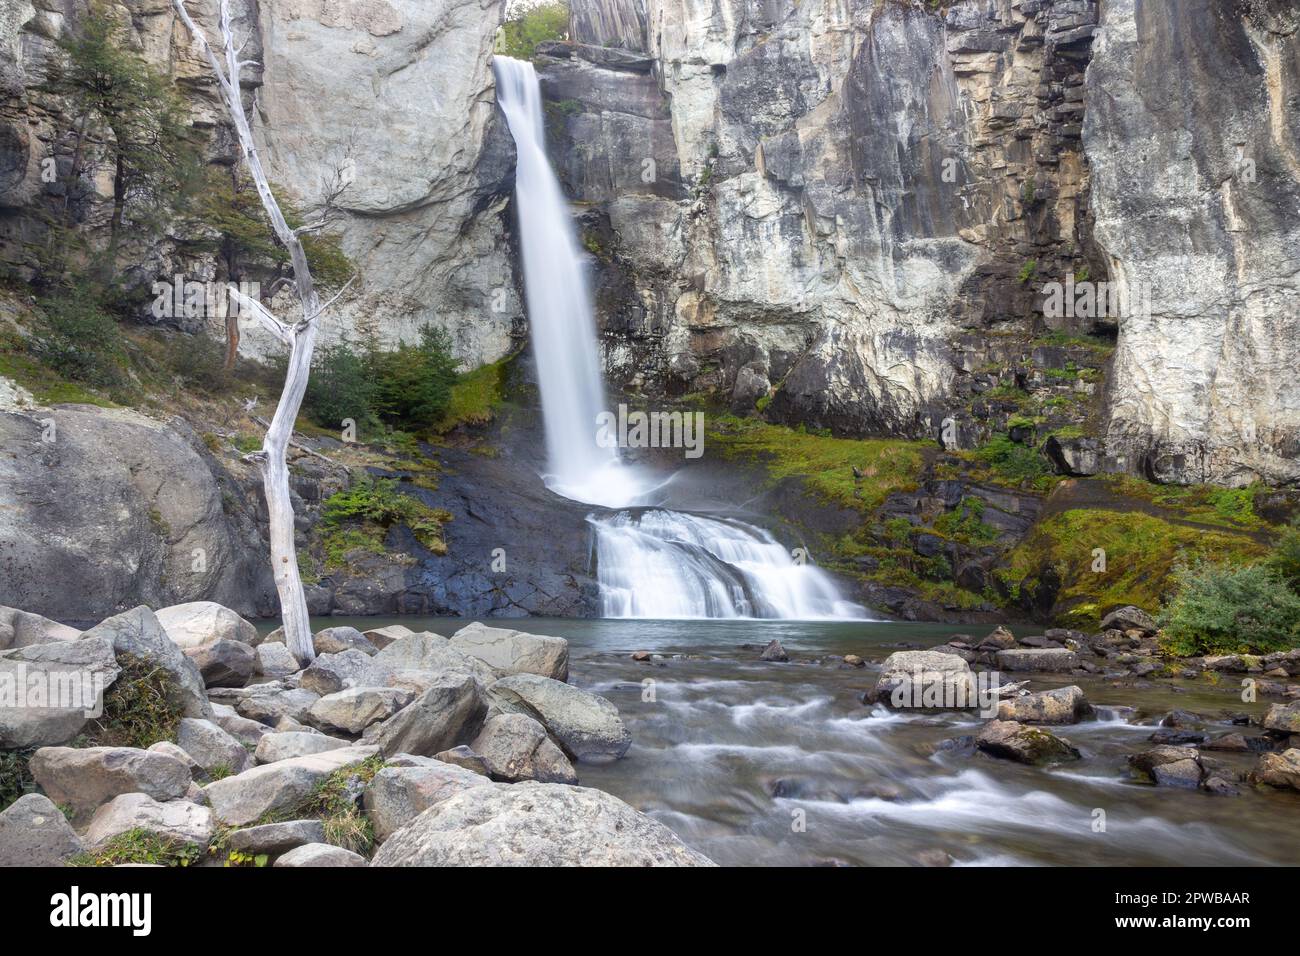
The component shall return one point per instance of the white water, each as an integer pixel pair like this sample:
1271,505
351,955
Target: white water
654,563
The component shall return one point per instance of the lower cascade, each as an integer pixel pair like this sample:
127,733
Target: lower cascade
650,562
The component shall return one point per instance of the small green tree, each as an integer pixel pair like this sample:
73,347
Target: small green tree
1221,609
1285,559
520,34
340,387
150,146
413,382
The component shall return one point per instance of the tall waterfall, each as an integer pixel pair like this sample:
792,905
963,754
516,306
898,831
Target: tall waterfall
651,562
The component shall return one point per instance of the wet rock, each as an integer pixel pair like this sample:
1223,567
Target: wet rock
925,679
515,747
1181,718
450,712
586,725
1049,660
1182,767
353,710
641,656
1064,705
1177,738
1010,740
510,652
774,652
534,824
852,660
276,838
224,663
397,795
138,633
934,857
1129,618
1283,718
204,622
178,820
1278,770
287,745
999,640
334,640
319,854
34,832
211,746
249,796
84,778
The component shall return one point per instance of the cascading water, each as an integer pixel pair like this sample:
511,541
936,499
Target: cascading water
651,562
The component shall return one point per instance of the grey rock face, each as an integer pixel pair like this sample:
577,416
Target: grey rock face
929,680
55,528
534,824
138,633
1204,383
85,778
398,795
515,747
34,832
509,652
586,725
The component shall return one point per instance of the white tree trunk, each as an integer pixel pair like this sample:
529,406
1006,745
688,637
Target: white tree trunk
299,336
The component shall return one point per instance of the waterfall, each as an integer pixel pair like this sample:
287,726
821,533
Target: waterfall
651,562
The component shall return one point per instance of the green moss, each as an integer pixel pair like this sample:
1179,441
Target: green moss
140,846
1015,464
824,464
965,524
1142,553
144,706
15,777
475,396
359,516
1207,504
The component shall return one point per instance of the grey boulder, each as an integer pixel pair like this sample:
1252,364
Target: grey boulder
398,795
178,820
586,725
224,663
353,710
274,747
137,632
243,799
86,666
211,746
1064,705
197,623
84,778
450,712
515,747
510,652
319,854
34,832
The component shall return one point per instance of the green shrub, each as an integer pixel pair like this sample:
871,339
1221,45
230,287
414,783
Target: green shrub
520,34
1285,559
141,708
15,779
140,846
358,516
77,339
1012,461
199,361
413,382
1222,609
340,387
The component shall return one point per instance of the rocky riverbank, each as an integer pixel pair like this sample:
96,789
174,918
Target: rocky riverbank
205,744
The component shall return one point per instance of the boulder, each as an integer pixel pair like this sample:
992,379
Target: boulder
1169,766
1064,705
22,629
204,622
243,799
86,666
774,653
1283,718
515,747
585,725
286,746
1275,770
1048,659
276,838
428,652
381,637
224,663
137,632
463,756
167,748
274,660
398,795
534,824
333,640
931,680
1129,618
211,746
331,673
247,732
353,710
269,702
319,854
34,832
84,778
448,713
1000,639
514,652
178,820
1010,740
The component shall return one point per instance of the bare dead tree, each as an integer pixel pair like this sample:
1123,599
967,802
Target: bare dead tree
299,336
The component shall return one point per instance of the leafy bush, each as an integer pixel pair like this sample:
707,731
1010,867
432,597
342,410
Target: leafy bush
199,361
413,382
357,517
1012,461
1285,559
340,387
520,34
1222,609
77,339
